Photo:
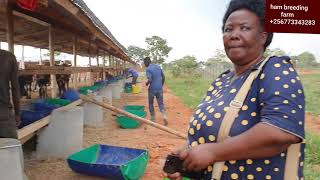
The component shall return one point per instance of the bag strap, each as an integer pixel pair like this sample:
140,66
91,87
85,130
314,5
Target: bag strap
292,162
231,114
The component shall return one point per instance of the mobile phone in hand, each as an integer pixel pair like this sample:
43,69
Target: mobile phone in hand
174,164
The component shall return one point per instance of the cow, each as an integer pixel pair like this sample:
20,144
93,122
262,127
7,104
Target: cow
25,83
63,79
43,82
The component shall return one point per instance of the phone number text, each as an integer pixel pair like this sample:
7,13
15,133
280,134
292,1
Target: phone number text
296,22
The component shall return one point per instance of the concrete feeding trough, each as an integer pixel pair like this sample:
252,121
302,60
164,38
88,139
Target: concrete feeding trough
11,159
93,114
64,134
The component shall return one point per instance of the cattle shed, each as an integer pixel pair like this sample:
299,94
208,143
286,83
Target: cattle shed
67,26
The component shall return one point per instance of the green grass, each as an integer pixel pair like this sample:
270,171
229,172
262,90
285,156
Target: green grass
311,85
192,90
312,159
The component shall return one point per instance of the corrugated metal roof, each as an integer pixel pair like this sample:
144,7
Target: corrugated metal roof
95,20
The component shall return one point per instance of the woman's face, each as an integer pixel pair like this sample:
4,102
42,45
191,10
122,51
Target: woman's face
243,37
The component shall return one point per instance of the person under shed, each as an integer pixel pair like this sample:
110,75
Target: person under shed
9,115
130,72
155,82
260,135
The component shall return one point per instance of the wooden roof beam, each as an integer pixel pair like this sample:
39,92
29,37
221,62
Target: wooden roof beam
32,19
24,35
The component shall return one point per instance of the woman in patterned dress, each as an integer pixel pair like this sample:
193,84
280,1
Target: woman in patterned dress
271,117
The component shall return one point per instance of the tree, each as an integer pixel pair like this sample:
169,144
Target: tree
184,66
274,52
157,49
220,58
306,60
136,53
56,53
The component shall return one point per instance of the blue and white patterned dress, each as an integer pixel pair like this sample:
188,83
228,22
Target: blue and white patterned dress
276,98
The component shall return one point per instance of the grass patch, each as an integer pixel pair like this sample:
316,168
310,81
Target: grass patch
190,90
312,159
311,85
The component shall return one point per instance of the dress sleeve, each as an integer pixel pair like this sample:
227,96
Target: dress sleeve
281,96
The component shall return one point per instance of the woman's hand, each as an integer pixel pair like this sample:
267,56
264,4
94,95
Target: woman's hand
199,157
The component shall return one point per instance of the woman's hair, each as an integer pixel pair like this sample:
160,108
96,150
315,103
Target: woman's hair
258,7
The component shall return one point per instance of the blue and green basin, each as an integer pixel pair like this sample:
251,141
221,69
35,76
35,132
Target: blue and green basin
130,123
113,162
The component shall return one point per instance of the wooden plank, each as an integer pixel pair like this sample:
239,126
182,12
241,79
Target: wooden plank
30,18
75,49
24,35
104,66
31,128
75,53
98,57
40,69
51,44
89,51
25,133
26,138
51,50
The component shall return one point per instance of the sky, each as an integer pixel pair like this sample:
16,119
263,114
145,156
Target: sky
191,27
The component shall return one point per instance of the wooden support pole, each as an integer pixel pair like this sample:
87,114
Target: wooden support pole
75,53
118,66
104,65
75,50
97,74
40,62
97,57
114,65
22,58
140,119
109,65
89,51
52,63
10,28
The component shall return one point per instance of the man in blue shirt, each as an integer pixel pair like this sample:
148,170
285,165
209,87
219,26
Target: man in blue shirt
155,82
134,74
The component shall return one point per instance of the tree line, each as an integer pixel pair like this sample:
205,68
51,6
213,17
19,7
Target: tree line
158,50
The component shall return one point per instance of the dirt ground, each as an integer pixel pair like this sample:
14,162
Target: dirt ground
309,71
159,143
313,123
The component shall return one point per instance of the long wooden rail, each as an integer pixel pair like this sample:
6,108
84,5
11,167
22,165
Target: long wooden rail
38,69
